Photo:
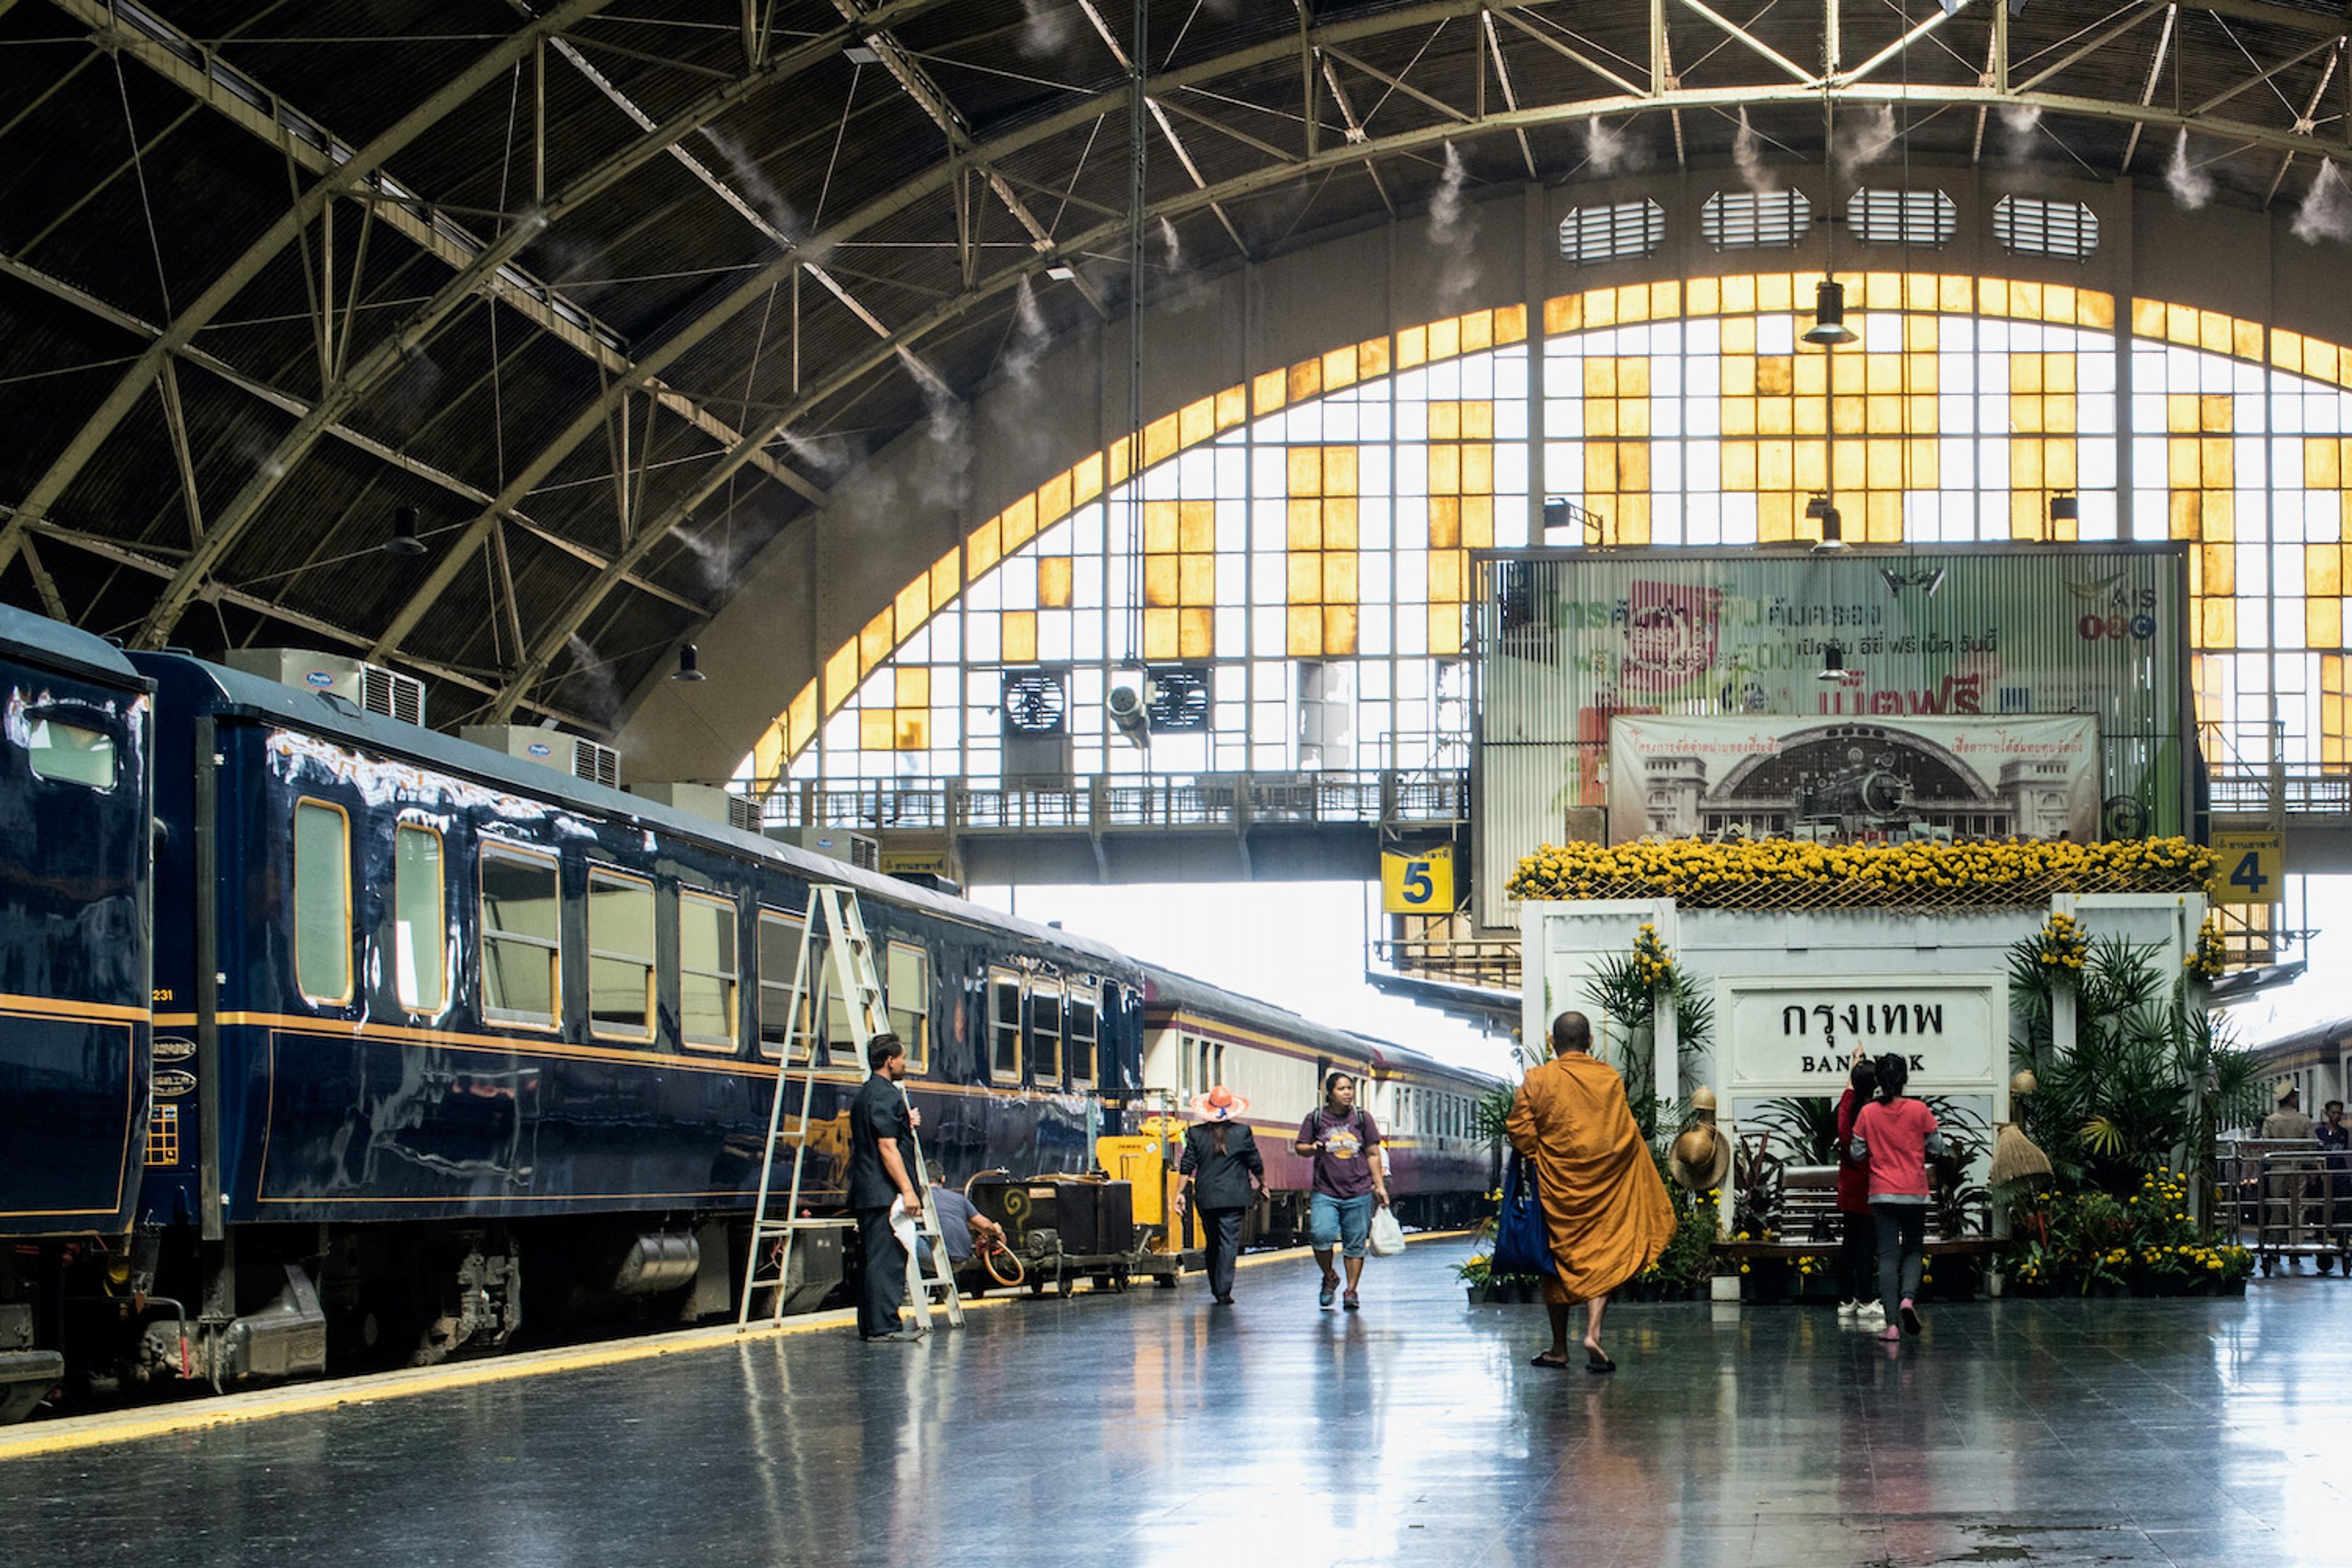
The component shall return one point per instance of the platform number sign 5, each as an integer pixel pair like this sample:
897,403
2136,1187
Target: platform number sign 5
2248,867
1418,883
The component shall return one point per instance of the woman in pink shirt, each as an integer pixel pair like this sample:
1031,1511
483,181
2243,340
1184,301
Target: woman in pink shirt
1895,1135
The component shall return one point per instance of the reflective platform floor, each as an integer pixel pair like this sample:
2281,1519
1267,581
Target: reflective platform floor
1157,1429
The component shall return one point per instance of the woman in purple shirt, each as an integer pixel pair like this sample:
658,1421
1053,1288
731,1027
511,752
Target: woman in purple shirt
1346,1146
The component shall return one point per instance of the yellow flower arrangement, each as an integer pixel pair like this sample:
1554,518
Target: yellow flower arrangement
2211,957
2063,945
1654,960
1782,872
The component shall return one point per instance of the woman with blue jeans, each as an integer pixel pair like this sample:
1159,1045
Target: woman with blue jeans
1345,1143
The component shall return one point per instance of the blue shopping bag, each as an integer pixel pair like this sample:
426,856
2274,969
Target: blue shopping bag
1522,1244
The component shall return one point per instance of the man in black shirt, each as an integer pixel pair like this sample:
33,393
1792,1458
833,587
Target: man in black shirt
882,1165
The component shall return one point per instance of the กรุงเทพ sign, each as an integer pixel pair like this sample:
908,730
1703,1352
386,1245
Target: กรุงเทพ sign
1800,1034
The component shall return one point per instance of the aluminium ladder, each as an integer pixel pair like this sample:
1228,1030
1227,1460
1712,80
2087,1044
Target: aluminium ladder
833,920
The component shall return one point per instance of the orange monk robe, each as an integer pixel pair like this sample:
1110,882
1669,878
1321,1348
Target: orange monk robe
1605,1211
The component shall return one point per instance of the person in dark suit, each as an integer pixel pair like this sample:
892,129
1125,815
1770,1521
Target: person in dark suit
882,1166
1222,1174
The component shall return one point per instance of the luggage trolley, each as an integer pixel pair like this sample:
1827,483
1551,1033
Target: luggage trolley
2285,1193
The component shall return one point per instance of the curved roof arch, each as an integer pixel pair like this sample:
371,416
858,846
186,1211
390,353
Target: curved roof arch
618,299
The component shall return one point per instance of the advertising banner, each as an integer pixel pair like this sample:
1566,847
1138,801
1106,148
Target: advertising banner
1852,781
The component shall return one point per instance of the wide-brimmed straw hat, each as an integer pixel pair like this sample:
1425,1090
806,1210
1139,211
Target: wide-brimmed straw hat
1220,1104
1701,1158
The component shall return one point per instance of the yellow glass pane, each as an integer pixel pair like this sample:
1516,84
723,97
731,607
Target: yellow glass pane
2181,512
2219,563
1632,467
2058,465
1776,292
2058,413
2026,517
1563,313
1705,298
2323,570
1306,380
1600,378
1740,467
1412,347
1053,500
2220,619
768,754
1160,527
1848,413
1446,422
1883,516
1956,296
1921,335
2321,466
1884,463
914,729
914,687
1478,420
2025,300
874,642
1444,576
1305,525
2216,515
1601,308
1776,466
2095,309
1600,466
1196,421
1477,335
2216,332
1233,407
2025,464
1086,479
1372,355
1159,639
1444,339
1339,471
1739,300
1600,416
2180,465
801,717
1776,517
1738,377
1809,470
1160,440
1019,636
912,605
1738,416
1849,373
1339,368
1020,521
1197,526
1445,522
1304,629
1847,470
1632,417
1924,465
983,549
1197,580
1444,631
1478,521
1160,579
1775,375
1883,415
2246,340
946,576
1304,578
2325,627
1882,372
2024,372
876,730
1812,376
1268,392
1305,474
1739,336
1339,522
1340,578
2215,411
2217,459
1478,468
1116,466
1445,470
1196,632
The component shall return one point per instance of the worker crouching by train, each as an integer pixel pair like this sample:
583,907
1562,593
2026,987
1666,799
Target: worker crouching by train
882,1168
1223,1175
1349,1182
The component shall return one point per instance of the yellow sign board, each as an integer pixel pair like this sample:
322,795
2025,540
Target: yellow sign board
903,862
1419,884
2249,868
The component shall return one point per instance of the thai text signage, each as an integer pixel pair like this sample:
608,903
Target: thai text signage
1800,1036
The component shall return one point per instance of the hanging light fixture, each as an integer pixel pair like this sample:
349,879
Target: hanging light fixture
1832,664
1829,328
405,539
689,666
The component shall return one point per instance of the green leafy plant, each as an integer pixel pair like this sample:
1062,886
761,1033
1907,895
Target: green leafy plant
1805,1124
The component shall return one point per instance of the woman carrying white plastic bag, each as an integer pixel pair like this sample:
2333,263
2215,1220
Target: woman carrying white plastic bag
1387,1237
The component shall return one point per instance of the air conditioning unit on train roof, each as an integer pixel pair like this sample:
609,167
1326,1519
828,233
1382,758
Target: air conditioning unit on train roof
575,754
368,687
707,801
839,842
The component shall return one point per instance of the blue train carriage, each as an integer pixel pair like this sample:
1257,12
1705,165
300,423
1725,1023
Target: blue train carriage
476,1040
76,806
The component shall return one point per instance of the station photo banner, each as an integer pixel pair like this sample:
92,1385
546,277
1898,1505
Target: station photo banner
1851,780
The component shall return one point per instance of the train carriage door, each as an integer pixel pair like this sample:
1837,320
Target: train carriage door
1004,1026
1086,1028
1045,1026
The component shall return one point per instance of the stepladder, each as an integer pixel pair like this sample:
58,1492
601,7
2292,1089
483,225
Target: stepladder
835,971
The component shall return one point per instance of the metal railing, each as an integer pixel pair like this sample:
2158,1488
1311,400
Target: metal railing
1224,801
2302,789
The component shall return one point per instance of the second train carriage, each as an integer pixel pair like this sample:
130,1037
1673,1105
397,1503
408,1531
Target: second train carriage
1197,1036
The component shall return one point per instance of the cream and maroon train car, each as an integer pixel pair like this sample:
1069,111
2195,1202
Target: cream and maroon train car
1197,1036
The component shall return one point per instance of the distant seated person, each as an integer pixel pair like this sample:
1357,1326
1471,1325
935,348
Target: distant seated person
2336,1139
2287,1123
961,1225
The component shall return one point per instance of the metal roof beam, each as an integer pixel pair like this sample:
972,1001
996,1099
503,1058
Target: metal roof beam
361,163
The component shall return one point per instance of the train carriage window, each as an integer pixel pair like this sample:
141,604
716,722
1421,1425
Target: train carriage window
620,955
706,971
322,902
1003,1026
1184,1064
71,753
1085,1025
1045,1031
909,1002
840,1040
522,944
419,946
780,959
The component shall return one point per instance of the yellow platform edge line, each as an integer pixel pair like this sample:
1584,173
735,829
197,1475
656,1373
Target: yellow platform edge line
263,1404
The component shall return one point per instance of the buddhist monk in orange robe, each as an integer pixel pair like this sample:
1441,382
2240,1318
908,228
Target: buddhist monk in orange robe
1605,1209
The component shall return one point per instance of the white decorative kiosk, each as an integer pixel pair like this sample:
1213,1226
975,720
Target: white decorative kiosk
1795,991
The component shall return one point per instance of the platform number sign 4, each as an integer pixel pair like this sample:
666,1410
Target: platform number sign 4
1419,882
2248,867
